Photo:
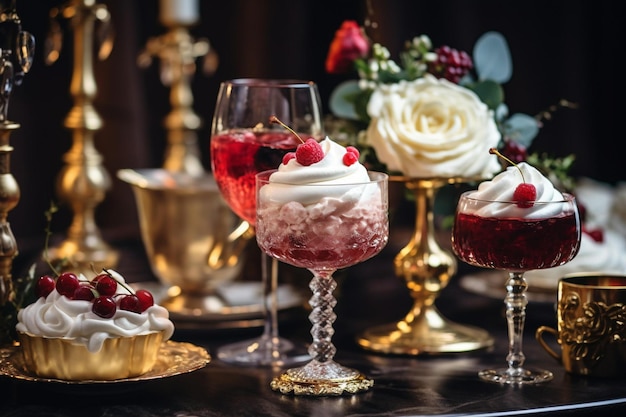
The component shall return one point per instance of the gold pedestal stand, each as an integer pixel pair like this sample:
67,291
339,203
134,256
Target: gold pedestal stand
83,181
427,269
178,52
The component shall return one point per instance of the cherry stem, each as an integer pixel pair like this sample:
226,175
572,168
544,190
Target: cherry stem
126,287
276,120
494,151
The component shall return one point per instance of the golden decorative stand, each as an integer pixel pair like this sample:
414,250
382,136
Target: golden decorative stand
427,269
178,52
17,49
83,181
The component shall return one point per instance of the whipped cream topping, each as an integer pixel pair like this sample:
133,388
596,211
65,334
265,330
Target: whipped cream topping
498,192
349,183
56,316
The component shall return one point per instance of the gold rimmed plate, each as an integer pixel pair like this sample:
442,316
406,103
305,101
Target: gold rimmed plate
175,358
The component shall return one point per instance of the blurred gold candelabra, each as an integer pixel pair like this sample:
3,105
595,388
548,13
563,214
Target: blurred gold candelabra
83,181
17,49
178,52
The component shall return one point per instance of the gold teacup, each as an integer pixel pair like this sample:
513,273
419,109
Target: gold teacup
591,321
194,242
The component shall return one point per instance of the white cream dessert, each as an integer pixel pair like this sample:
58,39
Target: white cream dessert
64,337
332,199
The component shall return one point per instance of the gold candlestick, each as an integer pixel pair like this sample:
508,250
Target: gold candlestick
83,181
178,52
17,49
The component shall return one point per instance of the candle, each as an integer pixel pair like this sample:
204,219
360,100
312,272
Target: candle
179,12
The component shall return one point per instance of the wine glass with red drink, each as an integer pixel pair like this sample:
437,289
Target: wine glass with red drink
516,243
243,143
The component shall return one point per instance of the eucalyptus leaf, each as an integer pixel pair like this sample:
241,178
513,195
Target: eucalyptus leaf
522,128
339,104
492,58
489,92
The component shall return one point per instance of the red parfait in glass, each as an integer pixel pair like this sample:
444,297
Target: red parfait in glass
528,239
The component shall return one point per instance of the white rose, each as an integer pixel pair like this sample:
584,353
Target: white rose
432,128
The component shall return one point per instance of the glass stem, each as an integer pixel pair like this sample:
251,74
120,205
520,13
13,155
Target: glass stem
322,316
515,302
270,300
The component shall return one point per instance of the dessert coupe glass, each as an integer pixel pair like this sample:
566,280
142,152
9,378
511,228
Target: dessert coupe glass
323,239
244,143
542,236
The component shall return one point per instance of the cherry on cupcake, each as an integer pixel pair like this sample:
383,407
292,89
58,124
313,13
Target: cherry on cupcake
130,302
85,291
146,300
105,284
525,194
104,306
66,284
45,285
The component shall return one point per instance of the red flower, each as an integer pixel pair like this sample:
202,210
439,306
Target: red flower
349,44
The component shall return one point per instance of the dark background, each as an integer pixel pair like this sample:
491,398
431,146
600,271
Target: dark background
561,49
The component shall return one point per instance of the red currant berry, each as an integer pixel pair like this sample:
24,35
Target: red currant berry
84,292
146,299
352,149
105,284
104,306
349,158
309,152
130,302
45,285
67,283
288,157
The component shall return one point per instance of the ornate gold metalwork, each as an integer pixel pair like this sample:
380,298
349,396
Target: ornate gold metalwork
83,181
427,269
178,52
17,49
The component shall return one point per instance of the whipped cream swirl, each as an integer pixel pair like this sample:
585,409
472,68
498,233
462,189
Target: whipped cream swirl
56,316
349,183
496,195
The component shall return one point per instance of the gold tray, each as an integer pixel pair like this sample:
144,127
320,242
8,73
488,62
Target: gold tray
175,358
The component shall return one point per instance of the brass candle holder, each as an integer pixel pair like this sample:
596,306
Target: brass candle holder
17,49
83,181
178,52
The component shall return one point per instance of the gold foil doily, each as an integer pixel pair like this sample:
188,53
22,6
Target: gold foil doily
175,358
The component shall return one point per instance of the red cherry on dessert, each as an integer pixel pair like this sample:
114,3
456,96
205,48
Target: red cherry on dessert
525,195
104,306
145,299
105,284
45,285
130,302
350,158
309,152
67,283
84,292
